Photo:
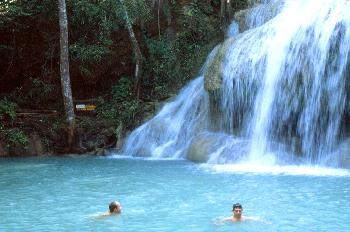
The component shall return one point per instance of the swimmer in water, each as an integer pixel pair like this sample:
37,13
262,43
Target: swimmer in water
115,208
237,211
237,216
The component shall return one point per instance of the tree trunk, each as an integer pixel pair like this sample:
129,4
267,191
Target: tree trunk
229,9
64,70
159,4
223,9
137,51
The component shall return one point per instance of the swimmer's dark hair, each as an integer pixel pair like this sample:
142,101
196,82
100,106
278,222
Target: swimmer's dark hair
112,206
237,205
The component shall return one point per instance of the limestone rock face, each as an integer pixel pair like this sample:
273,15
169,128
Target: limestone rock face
214,73
201,147
258,14
253,2
217,148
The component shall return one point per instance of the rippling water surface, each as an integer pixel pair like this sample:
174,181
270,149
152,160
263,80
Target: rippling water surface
64,194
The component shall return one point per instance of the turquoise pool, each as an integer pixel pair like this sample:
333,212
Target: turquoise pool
64,194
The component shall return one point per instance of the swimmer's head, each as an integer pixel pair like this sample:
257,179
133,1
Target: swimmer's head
115,207
237,205
237,210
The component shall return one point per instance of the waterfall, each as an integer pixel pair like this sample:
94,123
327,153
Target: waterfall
304,82
275,93
168,134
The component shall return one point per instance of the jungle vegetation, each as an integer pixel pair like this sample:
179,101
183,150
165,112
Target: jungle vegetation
123,56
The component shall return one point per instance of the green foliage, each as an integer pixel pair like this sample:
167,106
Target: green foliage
7,110
10,136
96,19
16,8
125,111
88,53
16,12
92,24
172,62
198,25
100,53
138,11
15,136
122,106
34,92
163,64
122,90
39,90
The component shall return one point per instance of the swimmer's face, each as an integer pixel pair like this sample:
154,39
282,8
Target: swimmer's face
237,212
118,208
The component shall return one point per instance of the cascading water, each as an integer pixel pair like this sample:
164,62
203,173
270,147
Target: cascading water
273,94
168,134
302,95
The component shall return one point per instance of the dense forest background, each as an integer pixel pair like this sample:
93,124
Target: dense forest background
174,37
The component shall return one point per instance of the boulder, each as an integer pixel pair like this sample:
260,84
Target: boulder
217,148
214,73
201,147
35,147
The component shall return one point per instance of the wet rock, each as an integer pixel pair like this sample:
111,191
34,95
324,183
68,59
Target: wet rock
100,152
79,136
90,139
344,154
19,150
257,15
217,148
215,110
119,136
214,73
201,147
3,149
35,147
254,2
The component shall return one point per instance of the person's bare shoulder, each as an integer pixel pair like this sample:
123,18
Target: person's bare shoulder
102,215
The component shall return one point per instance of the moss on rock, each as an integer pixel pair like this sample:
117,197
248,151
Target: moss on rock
214,74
